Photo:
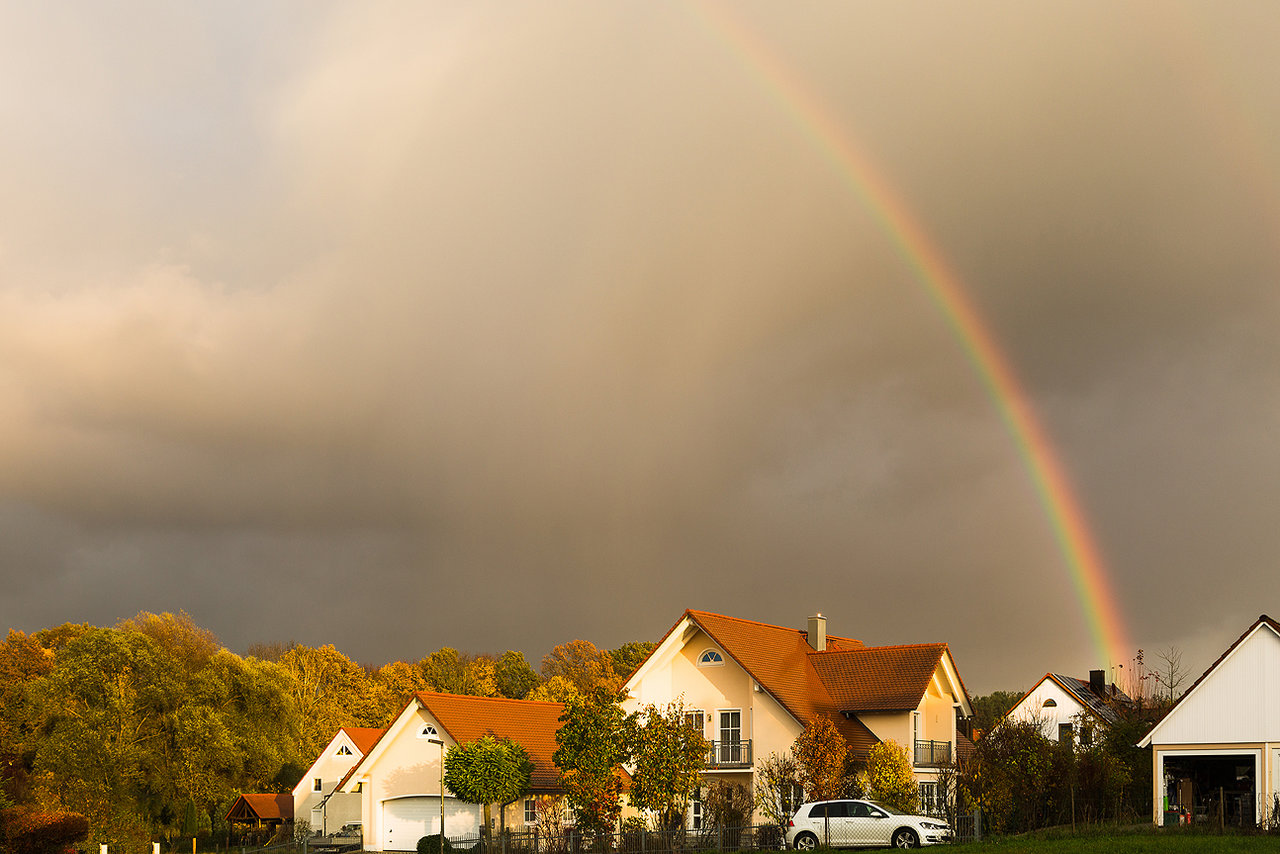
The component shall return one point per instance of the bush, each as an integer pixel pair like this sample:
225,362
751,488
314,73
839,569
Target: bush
431,845
31,832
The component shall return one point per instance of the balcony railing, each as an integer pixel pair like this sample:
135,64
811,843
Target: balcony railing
730,754
933,753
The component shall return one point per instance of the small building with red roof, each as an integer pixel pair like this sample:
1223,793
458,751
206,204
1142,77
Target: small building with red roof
400,779
753,687
261,811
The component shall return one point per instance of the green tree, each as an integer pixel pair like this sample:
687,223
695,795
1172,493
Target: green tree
329,691
668,755
513,676
453,672
1010,776
591,749
488,771
888,777
990,708
626,658
821,754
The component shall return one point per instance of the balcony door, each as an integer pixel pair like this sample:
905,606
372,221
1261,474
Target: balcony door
730,746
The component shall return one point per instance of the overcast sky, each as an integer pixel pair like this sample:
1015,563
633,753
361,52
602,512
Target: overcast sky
496,325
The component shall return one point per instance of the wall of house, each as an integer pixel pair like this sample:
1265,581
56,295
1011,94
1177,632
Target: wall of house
330,768
938,713
886,726
1032,709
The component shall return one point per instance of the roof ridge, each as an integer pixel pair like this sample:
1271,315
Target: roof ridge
865,648
767,625
478,697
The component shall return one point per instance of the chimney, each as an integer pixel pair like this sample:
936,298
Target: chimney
818,632
1098,682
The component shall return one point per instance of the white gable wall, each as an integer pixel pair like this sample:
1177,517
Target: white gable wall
1238,702
1031,708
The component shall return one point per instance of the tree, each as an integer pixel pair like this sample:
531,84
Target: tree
513,676
888,778
557,689
583,665
778,792
453,672
488,771
591,749
179,636
821,753
626,658
668,756
1168,673
329,691
1009,776
990,708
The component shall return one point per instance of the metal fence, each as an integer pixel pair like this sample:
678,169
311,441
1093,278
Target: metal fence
756,838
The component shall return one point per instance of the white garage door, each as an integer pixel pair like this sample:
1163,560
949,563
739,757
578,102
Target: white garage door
406,820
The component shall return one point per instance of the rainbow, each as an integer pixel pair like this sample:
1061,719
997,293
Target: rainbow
1052,486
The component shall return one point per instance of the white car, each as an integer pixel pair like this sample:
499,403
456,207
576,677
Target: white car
859,824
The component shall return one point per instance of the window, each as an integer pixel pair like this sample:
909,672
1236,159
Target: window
530,811
1065,732
695,810
428,731
929,804
1049,704
729,748
696,719
317,785
344,751
710,658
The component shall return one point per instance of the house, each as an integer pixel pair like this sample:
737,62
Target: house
1066,707
400,779
316,797
1216,753
753,687
261,812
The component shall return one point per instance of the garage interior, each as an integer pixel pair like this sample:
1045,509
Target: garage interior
1211,790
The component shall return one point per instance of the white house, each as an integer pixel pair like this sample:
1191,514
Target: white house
1216,753
316,798
1066,707
753,687
400,779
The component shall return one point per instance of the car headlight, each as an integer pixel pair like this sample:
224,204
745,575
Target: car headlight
933,825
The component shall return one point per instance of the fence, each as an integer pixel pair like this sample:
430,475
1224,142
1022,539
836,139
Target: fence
756,838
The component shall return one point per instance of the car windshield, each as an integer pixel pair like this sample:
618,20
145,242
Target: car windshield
889,810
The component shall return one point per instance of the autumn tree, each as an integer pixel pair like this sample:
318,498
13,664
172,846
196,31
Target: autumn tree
668,755
329,691
778,792
591,749
583,665
557,689
821,753
626,658
888,777
990,708
488,771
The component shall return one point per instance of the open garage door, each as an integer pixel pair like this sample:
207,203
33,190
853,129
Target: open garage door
1212,788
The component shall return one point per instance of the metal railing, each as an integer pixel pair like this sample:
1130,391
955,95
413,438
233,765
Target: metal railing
730,754
572,841
933,753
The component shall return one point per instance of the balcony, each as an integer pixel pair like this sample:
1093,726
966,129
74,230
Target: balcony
730,754
931,754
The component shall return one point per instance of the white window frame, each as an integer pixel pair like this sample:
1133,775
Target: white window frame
530,811
317,784
428,731
343,750
711,657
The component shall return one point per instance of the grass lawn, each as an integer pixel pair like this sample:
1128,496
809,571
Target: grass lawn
1135,840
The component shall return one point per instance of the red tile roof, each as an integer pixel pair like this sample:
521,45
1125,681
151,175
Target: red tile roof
263,807
847,677
529,723
878,678
363,737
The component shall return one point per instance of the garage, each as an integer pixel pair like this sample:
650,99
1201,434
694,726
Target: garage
1214,788
406,820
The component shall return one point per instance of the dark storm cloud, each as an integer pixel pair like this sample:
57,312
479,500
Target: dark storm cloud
497,325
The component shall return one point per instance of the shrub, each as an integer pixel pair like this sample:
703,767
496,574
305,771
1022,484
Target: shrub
32,832
431,845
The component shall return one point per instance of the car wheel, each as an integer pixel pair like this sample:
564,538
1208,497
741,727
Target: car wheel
806,842
905,838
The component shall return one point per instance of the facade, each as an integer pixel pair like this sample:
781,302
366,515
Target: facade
316,798
753,687
1066,707
1216,753
400,780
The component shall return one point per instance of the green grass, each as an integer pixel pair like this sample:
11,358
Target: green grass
1139,840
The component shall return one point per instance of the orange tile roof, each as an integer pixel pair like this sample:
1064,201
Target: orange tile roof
529,723
264,807
778,659
878,678
363,737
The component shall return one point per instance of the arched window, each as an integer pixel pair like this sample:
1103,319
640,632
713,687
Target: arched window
710,658
427,731
344,751
1049,703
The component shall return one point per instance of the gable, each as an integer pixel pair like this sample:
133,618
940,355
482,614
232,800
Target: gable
1236,700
